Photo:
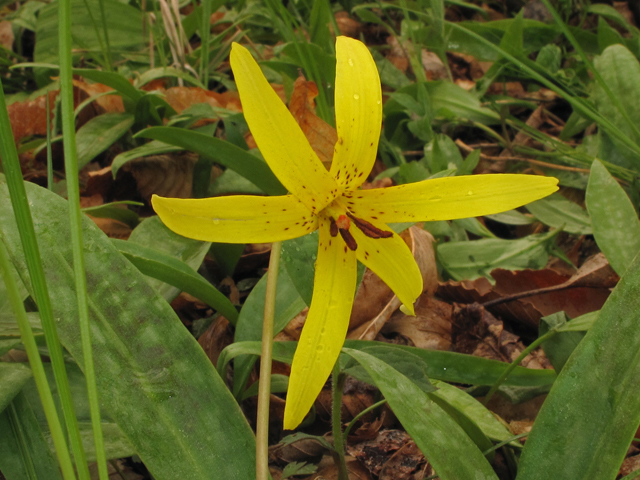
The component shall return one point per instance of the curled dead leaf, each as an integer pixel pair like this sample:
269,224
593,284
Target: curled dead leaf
169,175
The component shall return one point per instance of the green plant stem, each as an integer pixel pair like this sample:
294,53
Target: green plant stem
39,376
516,362
105,28
359,416
264,387
205,35
75,218
40,291
336,420
49,155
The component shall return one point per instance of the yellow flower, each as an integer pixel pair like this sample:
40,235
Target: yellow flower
351,222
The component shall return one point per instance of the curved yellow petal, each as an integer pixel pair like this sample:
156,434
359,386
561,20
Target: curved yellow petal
326,326
236,219
390,259
280,139
358,113
450,198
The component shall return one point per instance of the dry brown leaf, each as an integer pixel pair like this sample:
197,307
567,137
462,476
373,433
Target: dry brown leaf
181,98
30,118
112,228
99,182
330,472
218,336
6,35
347,25
372,310
397,54
429,329
108,103
630,464
169,175
476,332
376,454
433,66
319,133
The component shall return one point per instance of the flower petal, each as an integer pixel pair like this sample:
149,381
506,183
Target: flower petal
279,137
326,326
358,113
450,198
236,219
392,261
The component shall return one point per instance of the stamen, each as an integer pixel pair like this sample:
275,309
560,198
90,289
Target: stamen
348,239
369,229
333,227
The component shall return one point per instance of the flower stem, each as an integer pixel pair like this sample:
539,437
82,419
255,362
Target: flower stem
336,420
264,387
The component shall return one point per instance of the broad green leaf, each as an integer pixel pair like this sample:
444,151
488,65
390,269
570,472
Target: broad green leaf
558,212
559,347
162,72
473,409
446,366
587,422
113,211
249,327
152,148
152,233
299,256
408,364
153,378
620,70
615,223
512,41
178,274
24,453
5,306
13,376
224,153
99,133
116,443
580,324
511,217
124,23
469,260
438,436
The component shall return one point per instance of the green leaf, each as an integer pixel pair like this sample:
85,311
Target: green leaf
178,274
249,327
153,233
559,347
299,256
13,376
153,377
111,210
437,435
512,41
408,364
558,212
469,260
620,70
152,148
596,397
124,23
116,443
446,366
224,153
615,223
24,453
162,72
473,409
99,133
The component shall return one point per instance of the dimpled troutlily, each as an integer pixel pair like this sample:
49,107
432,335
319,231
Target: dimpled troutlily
352,223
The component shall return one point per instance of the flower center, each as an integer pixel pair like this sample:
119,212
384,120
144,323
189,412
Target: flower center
341,219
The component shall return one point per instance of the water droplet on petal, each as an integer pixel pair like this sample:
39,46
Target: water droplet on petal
356,96
379,102
216,221
435,198
350,62
469,193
